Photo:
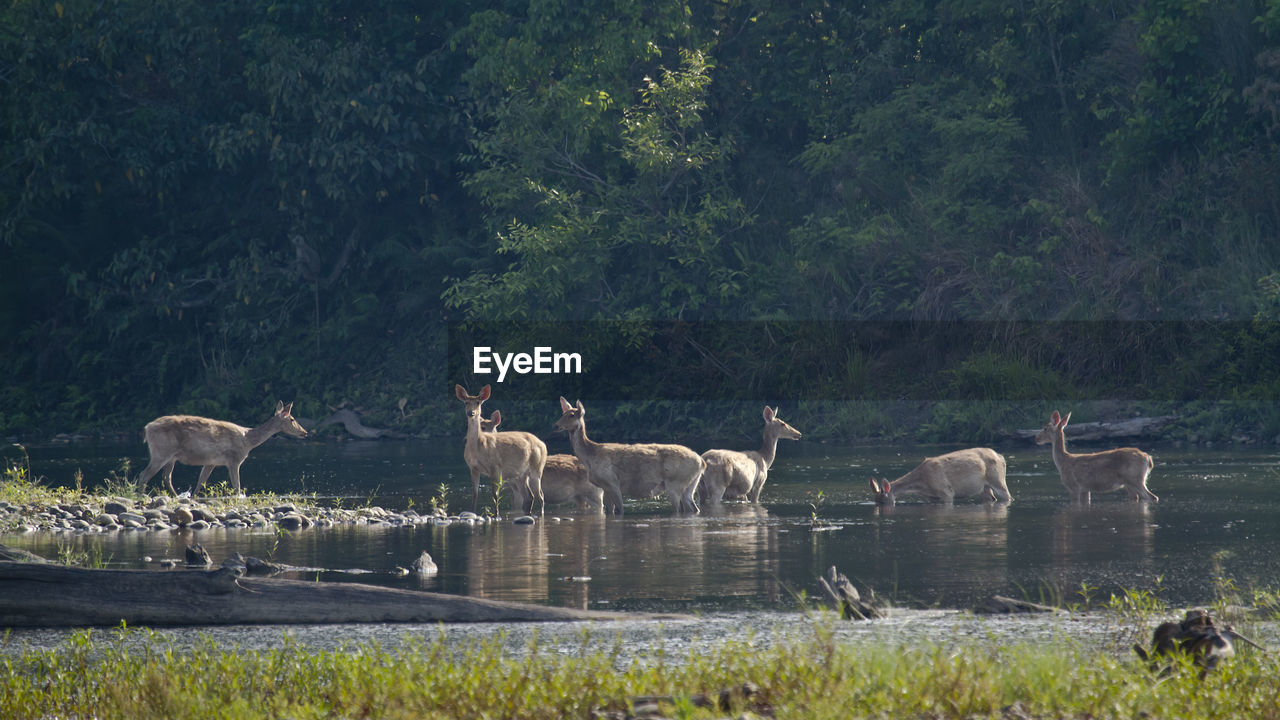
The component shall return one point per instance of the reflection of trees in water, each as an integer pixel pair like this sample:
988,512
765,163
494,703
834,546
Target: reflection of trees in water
506,561
1086,540
924,552
730,552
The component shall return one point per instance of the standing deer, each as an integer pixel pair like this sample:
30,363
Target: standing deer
192,440
502,456
731,474
639,470
1104,471
963,473
564,478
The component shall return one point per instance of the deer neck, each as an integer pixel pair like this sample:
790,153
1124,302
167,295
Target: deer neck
769,448
256,436
475,436
910,482
582,445
1060,454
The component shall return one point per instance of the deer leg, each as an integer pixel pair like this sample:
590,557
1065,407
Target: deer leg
535,493
689,501
152,468
204,475
757,487
613,496
168,476
234,471
475,491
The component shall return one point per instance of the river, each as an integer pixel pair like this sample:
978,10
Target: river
1215,521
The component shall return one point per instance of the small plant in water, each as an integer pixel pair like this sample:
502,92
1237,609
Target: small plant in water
90,558
495,491
814,505
440,501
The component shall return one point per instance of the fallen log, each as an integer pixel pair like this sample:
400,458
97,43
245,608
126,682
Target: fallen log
1001,605
351,421
47,595
1140,427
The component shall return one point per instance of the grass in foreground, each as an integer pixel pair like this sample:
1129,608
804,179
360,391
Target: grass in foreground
99,675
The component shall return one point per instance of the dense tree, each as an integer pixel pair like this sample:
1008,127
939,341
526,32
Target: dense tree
204,206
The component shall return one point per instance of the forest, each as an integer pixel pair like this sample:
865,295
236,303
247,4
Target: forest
914,219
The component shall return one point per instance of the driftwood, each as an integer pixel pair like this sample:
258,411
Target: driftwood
348,419
1133,427
1001,605
48,595
844,597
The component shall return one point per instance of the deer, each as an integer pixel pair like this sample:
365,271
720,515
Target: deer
503,456
963,473
564,478
193,440
1099,472
732,474
635,470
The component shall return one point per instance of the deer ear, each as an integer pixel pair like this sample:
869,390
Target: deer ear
564,405
496,418
875,487
279,406
288,410
460,392
769,414
484,393
580,408
1066,419
1054,417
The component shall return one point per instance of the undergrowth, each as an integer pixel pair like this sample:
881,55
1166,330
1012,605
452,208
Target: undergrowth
123,675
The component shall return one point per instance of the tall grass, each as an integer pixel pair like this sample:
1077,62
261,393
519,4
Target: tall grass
93,675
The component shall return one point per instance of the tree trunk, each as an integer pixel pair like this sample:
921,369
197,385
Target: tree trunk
47,595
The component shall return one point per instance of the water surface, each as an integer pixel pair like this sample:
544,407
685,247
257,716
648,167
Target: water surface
1215,519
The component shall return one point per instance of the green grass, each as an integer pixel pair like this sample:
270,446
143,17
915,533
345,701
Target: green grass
122,675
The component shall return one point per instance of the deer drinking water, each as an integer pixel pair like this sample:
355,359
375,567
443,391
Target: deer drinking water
192,440
512,457
731,474
564,478
1104,471
639,470
963,473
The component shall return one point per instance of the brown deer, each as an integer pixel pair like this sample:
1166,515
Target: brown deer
1104,471
192,440
564,478
963,473
640,470
731,474
502,456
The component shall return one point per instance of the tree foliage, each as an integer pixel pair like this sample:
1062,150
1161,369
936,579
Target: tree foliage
207,205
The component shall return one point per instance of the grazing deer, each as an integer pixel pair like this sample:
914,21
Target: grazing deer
502,456
639,470
1104,471
963,473
194,440
731,474
564,478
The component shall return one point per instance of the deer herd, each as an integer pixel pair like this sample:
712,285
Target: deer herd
601,475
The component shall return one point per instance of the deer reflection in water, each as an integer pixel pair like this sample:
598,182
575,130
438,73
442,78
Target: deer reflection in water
588,560
1093,536
942,546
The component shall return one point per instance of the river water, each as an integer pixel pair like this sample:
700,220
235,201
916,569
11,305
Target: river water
1216,519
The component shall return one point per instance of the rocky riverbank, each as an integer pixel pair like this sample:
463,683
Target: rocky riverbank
88,514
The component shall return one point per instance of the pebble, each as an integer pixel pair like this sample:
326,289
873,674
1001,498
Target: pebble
168,514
